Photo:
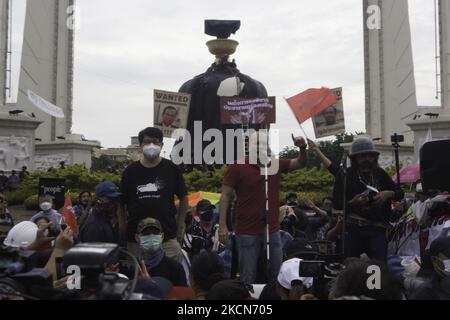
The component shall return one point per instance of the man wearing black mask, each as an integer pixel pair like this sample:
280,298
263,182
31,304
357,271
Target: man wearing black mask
101,225
201,234
369,193
291,200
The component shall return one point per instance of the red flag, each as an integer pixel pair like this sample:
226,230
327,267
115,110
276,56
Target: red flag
69,215
311,102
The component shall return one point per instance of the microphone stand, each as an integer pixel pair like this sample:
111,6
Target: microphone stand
396,145
345,204
266,214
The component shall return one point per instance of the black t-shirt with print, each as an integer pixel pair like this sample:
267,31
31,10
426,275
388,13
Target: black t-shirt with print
149,192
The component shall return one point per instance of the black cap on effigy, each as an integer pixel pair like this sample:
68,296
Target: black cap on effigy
221,29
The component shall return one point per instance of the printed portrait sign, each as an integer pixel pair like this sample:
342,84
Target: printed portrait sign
170,111
330,121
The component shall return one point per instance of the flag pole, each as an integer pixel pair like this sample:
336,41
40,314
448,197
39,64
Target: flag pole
301,127
303,130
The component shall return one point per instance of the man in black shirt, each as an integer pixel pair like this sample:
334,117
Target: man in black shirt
149,237
369,194
101,226
148,188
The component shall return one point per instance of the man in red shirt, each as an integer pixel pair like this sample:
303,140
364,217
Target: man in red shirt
247,181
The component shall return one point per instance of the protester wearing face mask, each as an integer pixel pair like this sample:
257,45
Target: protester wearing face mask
438,287
200,235
369,193
47,212
149,237
291,200
149,187
101,225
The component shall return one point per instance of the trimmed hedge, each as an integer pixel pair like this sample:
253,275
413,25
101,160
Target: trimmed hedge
313,183
78,178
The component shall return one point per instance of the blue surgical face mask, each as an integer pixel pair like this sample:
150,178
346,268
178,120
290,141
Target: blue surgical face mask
150,243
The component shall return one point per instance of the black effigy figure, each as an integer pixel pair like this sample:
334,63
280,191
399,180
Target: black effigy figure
207,87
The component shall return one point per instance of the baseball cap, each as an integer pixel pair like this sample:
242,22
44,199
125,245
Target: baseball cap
440,245
204,208
204,205
229,290
289,272
107,189
148,222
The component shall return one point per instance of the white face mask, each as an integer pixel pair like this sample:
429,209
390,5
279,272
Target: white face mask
46,206
151,150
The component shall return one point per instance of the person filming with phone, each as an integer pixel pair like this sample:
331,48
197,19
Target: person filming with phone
370,191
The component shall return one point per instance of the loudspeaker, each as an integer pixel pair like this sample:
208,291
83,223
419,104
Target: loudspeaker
435,166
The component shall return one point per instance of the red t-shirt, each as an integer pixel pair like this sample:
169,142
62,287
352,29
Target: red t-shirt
248,182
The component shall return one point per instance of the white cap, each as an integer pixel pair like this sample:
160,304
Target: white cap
289,272
21,235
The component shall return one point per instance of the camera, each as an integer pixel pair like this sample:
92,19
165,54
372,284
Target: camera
96,282
17,275
312,269
323,273
397,138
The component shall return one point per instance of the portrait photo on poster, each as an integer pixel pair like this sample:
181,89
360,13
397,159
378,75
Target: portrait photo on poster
170,111
330,121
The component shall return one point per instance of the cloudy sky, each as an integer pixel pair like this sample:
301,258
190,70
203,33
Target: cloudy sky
124,50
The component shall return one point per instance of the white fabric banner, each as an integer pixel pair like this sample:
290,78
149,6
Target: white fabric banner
45,106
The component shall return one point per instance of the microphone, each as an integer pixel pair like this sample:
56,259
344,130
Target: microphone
344,159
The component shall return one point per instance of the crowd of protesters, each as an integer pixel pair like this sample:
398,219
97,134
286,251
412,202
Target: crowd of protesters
219,251
12,182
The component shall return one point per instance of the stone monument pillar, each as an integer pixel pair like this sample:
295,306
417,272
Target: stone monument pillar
17,141
437,119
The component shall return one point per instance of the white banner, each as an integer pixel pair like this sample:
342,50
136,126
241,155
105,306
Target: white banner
45,106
